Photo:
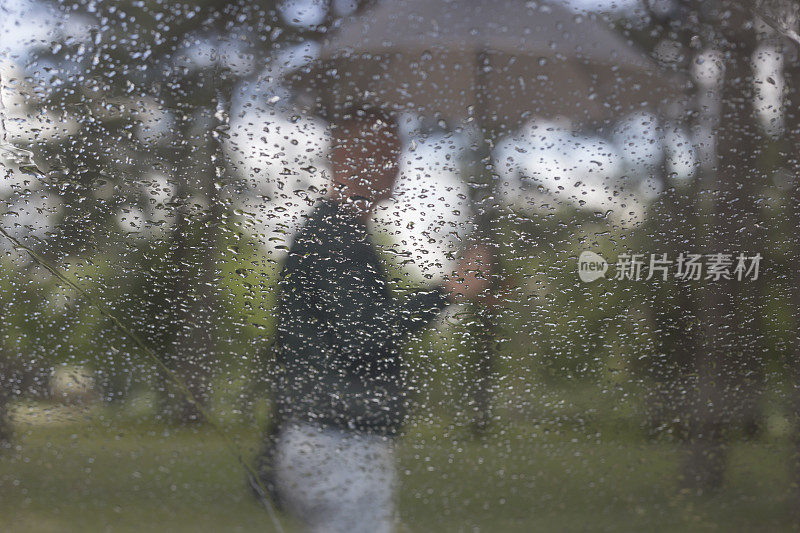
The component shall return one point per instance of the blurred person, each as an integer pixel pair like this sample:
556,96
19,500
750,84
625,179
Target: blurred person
340,398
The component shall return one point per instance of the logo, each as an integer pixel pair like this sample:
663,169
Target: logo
591,266
685,267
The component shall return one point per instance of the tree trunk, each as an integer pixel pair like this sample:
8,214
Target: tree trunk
729,355
675,314
6,393
194,260
792,142
482,329
483,338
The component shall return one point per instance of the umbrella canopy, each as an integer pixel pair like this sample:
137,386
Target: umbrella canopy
498,62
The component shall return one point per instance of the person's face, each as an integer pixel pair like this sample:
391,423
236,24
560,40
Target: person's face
366,160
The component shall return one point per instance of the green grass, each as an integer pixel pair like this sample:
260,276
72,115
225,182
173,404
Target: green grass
76,471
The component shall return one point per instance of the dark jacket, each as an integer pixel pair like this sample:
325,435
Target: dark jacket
340,330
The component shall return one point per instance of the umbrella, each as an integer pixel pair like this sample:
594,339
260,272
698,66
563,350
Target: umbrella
499,63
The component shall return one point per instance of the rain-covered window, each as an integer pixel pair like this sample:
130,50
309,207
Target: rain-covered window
399,265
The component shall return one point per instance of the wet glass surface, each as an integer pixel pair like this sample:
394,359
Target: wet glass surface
345,265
